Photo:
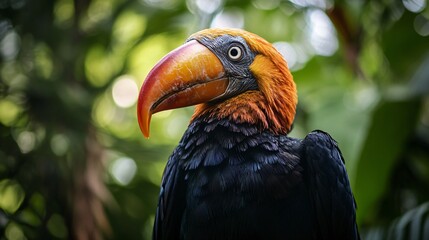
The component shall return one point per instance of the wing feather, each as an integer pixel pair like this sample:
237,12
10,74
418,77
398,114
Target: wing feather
329,186
171,202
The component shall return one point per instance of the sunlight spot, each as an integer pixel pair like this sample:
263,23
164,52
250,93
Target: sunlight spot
43,60
232,18
322,4
63,13
125,91
421,25
147,53
26,141
288,52
366,97
295,55
414,5
323,38
9,111
208,6
11,194
60,144
128,28
123,170
13,231
97,12
100,65
9,45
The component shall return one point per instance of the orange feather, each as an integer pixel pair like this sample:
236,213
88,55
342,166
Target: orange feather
273,107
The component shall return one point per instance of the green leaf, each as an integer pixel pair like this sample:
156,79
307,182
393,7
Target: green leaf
413,224
392,124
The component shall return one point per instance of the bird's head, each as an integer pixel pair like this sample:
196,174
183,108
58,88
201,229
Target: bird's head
229,73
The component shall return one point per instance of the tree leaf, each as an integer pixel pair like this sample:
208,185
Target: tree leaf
392,124
413,224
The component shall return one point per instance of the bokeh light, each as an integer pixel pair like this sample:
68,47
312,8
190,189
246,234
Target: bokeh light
128,28
11,194
204,7
421,25
294,53
208,6
60,144
322,4
123,170
321,33
125,91
9,45
9,111
63,13
26,141
414,5
13,231
231,18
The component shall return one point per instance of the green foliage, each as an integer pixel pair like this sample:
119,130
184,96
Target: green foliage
411,225
391,125
73,163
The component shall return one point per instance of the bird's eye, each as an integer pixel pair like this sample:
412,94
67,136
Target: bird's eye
235,53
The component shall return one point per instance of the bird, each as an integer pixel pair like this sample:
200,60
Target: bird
236,173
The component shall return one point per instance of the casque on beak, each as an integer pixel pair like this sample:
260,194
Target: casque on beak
189,75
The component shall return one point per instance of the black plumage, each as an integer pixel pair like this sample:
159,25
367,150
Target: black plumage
231,181
236,174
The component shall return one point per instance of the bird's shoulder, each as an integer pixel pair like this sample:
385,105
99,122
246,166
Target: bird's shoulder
327,179
324,162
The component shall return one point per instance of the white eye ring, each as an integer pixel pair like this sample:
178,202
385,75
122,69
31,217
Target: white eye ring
235,53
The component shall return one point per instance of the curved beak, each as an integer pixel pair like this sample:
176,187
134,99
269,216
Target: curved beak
189,75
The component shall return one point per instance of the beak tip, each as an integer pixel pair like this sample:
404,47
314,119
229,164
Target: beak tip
146,134
145,130
143,117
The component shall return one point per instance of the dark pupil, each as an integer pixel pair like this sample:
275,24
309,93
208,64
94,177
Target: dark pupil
234,52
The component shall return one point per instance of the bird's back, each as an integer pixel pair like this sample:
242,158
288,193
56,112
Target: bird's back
243,184
230,181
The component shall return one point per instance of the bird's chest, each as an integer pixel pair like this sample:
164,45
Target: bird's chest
244,193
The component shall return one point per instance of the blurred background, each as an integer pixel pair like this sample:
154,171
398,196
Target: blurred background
74,165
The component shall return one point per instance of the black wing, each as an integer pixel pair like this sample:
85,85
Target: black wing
171,202
329,187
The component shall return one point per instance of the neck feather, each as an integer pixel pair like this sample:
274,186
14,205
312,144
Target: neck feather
250,107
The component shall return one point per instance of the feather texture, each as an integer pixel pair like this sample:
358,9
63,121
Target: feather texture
238,183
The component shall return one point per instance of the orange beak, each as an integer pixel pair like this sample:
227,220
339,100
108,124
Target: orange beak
189,75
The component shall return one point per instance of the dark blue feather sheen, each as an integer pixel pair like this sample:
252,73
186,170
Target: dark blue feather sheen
333,200
230,181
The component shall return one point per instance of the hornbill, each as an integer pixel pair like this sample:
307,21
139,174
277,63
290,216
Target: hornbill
236,174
